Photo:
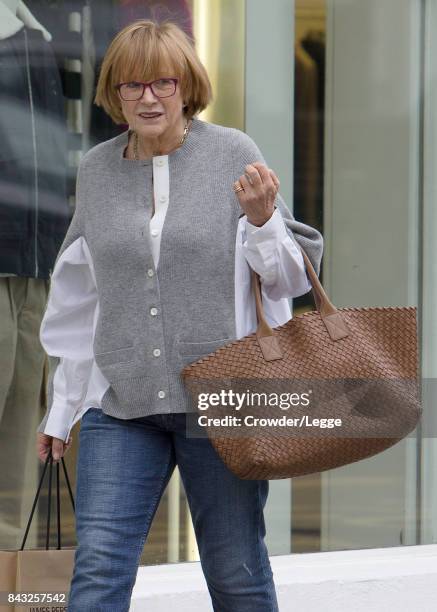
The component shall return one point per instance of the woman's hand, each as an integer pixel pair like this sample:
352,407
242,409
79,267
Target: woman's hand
44,442
259,188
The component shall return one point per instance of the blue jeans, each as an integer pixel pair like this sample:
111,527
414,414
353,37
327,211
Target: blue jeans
123,468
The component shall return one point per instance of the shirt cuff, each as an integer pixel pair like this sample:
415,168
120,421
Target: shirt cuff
58,423
273,229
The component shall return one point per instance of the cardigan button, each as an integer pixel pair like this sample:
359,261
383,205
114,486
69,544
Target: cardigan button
153,311
150,272
161,394
156,352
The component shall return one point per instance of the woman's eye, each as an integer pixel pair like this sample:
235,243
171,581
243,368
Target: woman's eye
133,84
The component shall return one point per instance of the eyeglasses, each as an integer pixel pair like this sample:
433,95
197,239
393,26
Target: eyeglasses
134,90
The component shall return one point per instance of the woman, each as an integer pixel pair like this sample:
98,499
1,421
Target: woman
154,273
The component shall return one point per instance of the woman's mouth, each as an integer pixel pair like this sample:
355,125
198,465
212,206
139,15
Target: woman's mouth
149,116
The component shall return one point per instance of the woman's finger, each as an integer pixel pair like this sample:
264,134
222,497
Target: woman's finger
246,185
252,174
238,188
274,178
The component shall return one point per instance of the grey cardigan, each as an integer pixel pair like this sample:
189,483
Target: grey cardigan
189,301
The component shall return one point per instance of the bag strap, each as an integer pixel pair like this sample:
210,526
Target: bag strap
58,500
331,317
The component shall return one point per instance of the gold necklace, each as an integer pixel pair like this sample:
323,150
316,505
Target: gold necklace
186,130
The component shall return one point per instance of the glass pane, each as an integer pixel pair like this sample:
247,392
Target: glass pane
48,120
356,177
355,174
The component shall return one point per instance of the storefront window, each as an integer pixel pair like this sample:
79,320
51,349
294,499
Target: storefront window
50,56
332,92
357,120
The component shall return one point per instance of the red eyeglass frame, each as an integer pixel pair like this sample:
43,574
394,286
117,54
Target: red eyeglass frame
148,84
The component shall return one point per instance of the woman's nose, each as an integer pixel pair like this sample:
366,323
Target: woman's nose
148,95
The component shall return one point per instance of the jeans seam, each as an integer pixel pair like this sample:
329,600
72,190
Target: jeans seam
260,541
153,507
259,516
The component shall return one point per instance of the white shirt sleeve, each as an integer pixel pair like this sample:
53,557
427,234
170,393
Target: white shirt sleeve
272,253
276,312
67,333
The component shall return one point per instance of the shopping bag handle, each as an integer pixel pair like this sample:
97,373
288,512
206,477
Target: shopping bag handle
58,500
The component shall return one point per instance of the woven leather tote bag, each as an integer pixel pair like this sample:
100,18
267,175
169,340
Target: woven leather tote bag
359,365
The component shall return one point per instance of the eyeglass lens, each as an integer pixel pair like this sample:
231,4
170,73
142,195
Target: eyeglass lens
134,90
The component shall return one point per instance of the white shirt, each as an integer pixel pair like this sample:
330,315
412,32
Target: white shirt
69,322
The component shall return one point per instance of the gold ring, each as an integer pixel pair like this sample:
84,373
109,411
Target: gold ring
236,190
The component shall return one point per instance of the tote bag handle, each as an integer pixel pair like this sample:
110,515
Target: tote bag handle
331,317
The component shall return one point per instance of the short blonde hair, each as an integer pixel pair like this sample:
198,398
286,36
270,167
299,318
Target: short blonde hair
142,51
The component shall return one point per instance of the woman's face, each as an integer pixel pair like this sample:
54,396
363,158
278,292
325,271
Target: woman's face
169,109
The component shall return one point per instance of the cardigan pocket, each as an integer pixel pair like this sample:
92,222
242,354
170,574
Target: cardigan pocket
122,355
188,352
118,364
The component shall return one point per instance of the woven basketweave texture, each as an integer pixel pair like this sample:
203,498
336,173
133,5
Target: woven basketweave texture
381,347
